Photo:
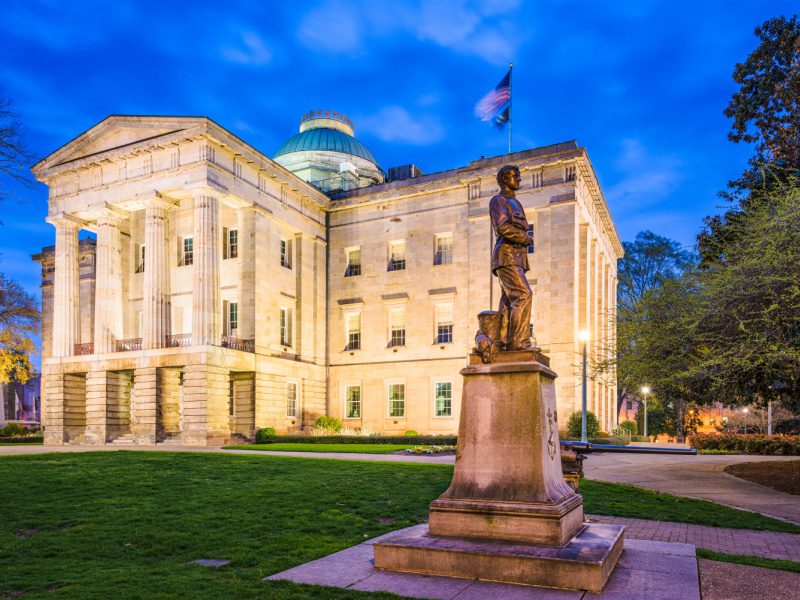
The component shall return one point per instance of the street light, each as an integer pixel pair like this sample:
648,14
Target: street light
745,410
645,391
583,336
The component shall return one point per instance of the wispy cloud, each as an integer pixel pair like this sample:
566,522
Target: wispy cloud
464,26
252,50
645,179
396,124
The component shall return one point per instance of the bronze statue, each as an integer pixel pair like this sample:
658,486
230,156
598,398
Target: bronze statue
510,260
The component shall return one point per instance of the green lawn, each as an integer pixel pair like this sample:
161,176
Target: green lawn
756,561
128,524
350,448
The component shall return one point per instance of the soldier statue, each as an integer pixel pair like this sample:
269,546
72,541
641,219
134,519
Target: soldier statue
510,261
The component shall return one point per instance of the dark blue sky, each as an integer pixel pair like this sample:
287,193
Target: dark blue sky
642,85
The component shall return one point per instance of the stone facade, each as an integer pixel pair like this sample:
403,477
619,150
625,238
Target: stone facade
224,293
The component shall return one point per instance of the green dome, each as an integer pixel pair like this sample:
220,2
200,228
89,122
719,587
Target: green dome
325,139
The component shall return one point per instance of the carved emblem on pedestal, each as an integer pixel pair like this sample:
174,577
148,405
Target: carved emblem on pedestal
551,445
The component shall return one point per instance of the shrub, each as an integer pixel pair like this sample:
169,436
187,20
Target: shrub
630,426
747,443
330,423
410,433
12,430
611,440
430,449
422,440
639,438
265,435
574,425
788,426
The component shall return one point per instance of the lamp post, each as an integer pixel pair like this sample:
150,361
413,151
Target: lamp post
583,336
745,410
645,391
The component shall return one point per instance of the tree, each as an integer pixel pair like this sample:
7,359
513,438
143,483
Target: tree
766,109
19,320
650,262
13,151
748,326
766,113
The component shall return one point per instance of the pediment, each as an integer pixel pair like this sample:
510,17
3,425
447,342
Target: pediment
117,133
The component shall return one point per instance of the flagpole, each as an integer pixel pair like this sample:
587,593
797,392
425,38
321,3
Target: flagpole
510,67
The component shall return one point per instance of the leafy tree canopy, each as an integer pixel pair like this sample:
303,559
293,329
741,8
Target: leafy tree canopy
19,320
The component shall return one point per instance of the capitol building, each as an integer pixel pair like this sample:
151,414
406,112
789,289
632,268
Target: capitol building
226,290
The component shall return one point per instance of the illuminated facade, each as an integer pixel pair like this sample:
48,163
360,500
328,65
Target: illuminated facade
225,293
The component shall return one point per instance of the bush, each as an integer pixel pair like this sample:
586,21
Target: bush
421,440
410,432
265,435
329,423
574,425
630,426
747,443
13,430
611,440
639,438
788,426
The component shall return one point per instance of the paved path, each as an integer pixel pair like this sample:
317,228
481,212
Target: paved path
767,544
700,476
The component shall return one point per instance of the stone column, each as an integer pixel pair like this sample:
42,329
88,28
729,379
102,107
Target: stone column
66,287
97,407
156,275
206,304
144,403
108,284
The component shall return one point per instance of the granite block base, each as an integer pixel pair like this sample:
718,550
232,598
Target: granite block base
585,563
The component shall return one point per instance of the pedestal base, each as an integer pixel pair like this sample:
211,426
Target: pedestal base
585,563
524,522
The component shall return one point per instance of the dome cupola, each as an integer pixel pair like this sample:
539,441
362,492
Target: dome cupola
326,154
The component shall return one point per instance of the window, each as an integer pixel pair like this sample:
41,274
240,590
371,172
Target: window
286,253
569,174
530,237
353,324
629,404
237,169
286,326
291,400
188,251
233,317
443,249
233,243
140,261
536,179
397,255
444,398
353,262
444,323
397,400
397,328
231,397
352,402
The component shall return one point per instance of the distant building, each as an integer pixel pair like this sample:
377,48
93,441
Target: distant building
20,401
228,291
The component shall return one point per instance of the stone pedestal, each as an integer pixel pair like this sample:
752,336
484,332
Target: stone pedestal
508,514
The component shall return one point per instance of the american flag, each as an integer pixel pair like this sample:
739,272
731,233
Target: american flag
495,105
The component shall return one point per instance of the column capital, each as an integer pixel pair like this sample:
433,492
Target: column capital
156,198
105,212
62,219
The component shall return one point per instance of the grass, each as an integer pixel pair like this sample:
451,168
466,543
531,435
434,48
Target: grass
755,561
621,500
38,442
128,524
350,448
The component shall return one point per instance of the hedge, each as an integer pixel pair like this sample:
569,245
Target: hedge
29,439
417,440
754,443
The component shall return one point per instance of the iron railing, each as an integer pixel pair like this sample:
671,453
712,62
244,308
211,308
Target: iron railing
238,344
83,349
180,339
129,344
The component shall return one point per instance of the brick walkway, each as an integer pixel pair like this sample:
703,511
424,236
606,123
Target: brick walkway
767,544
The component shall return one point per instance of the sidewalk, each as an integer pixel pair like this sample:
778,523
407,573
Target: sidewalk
766,544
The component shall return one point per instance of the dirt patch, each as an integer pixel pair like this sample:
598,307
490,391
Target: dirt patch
27,532
726,581
783,476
